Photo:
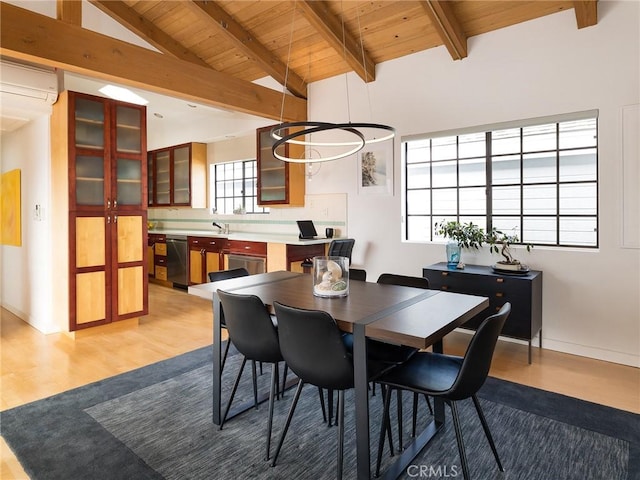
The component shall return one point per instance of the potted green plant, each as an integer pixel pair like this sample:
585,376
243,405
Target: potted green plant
500,242
461,235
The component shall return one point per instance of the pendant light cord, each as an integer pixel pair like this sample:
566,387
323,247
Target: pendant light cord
286,71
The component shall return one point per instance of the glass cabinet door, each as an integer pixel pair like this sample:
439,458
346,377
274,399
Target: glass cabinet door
150,179
181,177
89,166
129,182
163,178
128,124
272,183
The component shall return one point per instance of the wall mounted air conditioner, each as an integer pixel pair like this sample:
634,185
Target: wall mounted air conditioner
26,86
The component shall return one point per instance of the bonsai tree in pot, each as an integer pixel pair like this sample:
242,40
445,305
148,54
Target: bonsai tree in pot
462,235
500,242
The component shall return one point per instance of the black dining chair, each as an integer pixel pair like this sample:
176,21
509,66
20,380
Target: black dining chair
340,247
256,337
226,275
357,274
311,344
451,378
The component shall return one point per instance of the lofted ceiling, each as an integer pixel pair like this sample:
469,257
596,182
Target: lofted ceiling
213,52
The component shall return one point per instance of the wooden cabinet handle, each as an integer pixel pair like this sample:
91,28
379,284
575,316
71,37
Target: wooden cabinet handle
444,274
499,280
444,287
499,294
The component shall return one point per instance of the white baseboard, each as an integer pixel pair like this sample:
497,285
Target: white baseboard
46,329
592,352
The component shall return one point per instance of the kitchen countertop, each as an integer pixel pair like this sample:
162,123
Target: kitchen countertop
245,236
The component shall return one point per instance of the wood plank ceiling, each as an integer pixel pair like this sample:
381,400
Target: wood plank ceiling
304,41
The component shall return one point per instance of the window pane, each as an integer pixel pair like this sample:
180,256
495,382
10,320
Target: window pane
419,228
418,176
539,200
505,141
578,165
481,221
445,202
579,231
418,151
539,137
578,133
505,200
443,148
472,172
444,174
472,145
508,225
505,169
418,202
473,201
539,167
578,199
539,230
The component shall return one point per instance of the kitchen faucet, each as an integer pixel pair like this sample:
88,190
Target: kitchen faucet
224,229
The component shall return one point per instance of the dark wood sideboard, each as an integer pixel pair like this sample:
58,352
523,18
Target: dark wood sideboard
523,291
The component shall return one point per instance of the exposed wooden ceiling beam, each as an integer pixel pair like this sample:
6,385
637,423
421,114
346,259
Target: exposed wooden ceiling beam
329,26
586,12
28,36
70,12
247,43
146,30
446,24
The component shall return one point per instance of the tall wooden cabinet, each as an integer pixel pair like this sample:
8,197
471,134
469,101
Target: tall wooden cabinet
105,154
177,176
279,183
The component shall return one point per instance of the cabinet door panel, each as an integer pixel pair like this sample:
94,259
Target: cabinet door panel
90,180
90,297
89,123
128,129
163,178
90,242
129,182
130,244
195,266
130,290
181,177
213,262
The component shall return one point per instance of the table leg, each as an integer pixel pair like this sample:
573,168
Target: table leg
362,402
217,351
438,403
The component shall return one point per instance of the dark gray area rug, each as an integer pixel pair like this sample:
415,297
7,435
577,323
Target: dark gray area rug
155,422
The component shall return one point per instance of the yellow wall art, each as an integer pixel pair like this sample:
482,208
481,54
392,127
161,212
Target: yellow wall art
10,209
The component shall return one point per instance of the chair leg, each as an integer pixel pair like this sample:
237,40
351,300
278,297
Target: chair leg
340,415
255,384
426,399
284,378
485,427
224,355
399,407
233,392
456,424
414,419
288,422
272,393
330,406
324,411
384,427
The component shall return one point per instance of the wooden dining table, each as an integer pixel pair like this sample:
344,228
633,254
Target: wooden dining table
395,314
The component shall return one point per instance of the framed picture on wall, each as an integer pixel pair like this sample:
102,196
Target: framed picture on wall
375,169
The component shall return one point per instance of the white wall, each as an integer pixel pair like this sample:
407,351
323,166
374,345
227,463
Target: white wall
26,270
538,68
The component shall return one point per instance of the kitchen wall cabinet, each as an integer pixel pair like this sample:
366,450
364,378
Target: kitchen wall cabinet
177,176
205,255
102,145
279,183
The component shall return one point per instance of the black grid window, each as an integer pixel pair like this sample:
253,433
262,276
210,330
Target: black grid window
235,187
537,181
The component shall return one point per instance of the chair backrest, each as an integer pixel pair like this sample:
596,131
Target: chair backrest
403,280
341,247
250,327
357,274
227,274
311,344
477,359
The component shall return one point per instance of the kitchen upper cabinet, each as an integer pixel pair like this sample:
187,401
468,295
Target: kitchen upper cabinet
101,144
279,183
178,176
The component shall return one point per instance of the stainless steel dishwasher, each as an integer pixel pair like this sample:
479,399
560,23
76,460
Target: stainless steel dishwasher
252,264
177,255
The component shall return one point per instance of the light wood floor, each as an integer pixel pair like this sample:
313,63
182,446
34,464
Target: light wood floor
35,366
